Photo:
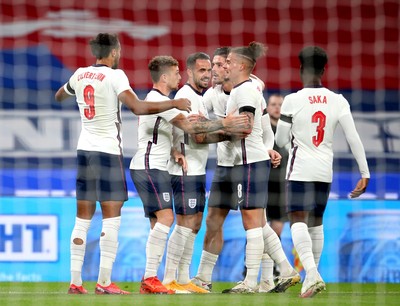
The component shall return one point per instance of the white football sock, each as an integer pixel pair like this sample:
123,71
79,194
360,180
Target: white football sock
273,247
317,238
303,245
184,263
155,248
175,248
108,249
80,231
206,266
267,269
254,252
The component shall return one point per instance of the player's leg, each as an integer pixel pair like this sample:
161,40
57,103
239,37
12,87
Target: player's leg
273,247
301,200
276,203
219,205
154,188
185,216
212,246
112,193
85,211
108,247
189,209
267,283
183,228
269,269
194,223
86,206
317,238
251,194
315,226
313,282
254,243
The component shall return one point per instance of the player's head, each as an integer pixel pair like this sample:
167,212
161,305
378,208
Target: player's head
249,54
106,45
222,51
219,74
274,104
199,70
313,60
165,69
241,60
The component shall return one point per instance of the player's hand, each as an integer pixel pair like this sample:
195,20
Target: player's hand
182,104
179,159
236,123
361,187
275,158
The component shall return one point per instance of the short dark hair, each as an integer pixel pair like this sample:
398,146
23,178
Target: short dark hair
251,53
192,58
222,51
313,59
275,94
103,44
158,64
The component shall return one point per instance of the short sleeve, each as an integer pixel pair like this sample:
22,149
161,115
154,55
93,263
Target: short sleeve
286,108
208,98
120,82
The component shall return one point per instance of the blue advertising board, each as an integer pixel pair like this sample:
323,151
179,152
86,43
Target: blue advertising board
362,240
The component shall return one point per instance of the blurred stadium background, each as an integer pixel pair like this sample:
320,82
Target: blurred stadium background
42,43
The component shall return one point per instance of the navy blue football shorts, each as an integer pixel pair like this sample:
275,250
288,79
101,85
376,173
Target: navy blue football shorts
100,177
307,196
154,188
221,191
189,193
241,186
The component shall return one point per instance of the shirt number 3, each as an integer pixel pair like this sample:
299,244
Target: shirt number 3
320,118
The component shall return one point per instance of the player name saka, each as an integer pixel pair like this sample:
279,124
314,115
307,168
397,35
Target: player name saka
91,75
317,99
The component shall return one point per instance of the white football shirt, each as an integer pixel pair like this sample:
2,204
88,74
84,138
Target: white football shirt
315,114
215,99
250,149
154,137
196,154
96,89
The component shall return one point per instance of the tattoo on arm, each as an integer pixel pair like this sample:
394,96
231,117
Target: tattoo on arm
210,137
207,126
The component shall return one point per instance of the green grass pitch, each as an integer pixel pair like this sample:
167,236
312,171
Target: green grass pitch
54,294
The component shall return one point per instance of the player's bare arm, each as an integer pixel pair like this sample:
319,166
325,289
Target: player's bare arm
221,135
197,117
140,107
61,94
213,137
230,122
